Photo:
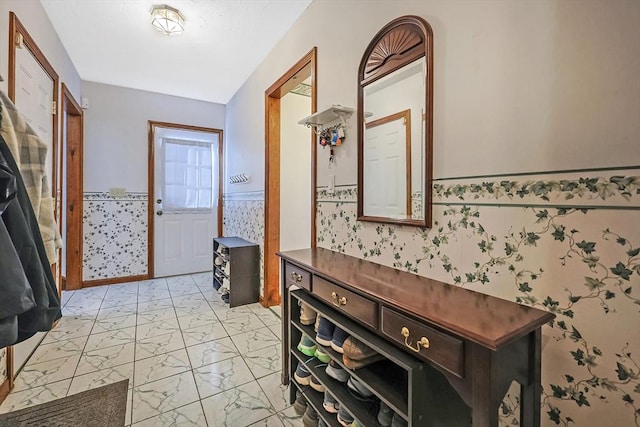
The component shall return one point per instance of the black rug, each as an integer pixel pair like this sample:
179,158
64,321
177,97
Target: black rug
105,406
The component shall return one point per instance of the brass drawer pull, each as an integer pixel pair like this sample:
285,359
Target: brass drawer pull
338,301
296,277
424,342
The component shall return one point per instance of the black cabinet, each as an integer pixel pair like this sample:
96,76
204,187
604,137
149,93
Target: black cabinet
236,270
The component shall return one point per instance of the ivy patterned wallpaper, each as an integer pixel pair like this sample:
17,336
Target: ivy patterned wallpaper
567,242
115,236
243,215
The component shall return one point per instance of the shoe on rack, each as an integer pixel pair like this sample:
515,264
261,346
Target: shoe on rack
300,405
225,297
316,385
357,354
357,364
330,404
325,332
219,260
345,418
307,346
321,355
307,314
398,421
302,374
359,390
310,417
339,337
315,326
321,423
337,372
357,350
385,415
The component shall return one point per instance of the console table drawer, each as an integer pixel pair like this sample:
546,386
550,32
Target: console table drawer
351,303
297,276
442,349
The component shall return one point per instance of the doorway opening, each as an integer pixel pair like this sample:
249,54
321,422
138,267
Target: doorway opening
185,198
71,200
303,72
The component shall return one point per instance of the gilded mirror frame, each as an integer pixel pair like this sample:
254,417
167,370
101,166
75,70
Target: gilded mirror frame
399,43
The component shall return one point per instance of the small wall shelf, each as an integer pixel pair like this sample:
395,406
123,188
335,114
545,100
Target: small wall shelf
335,116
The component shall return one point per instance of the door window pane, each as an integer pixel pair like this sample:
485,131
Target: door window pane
188,173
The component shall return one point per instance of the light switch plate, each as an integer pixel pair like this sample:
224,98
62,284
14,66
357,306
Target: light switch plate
331,189
117,192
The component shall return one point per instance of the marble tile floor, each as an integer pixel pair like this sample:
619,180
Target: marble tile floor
189,358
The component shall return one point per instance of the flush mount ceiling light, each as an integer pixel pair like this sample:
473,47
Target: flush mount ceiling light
167,20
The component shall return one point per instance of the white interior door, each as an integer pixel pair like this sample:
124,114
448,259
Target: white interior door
385,170
34,100
185,179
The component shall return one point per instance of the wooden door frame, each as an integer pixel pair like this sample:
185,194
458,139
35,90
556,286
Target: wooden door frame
15,28
18,31
151,183
273,95
74,115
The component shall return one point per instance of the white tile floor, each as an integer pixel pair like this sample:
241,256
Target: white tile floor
190,360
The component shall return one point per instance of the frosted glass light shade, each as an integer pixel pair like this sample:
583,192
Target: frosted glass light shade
167,20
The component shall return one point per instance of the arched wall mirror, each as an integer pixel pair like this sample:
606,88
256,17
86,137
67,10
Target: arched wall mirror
395,123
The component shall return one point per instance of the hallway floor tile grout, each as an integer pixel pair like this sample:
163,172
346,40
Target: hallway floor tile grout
176,341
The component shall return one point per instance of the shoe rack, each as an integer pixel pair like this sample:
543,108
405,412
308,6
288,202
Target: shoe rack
237,270
399,380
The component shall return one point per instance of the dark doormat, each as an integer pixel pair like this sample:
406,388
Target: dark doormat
100,407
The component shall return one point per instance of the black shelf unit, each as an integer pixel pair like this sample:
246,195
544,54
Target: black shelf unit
240,270
399,380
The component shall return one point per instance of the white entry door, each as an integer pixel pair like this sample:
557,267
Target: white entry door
185,179
385,169
34,99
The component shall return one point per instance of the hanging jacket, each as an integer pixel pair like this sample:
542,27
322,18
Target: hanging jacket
17,297
30,153
22,228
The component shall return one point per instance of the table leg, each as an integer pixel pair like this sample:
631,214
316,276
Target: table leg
484,392
530,395
284,307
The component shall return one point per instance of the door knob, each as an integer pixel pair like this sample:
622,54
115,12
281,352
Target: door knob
159,201
159,213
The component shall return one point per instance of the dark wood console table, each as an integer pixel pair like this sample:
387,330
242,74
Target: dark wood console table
479,342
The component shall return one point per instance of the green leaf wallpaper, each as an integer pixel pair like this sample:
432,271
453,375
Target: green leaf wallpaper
568,243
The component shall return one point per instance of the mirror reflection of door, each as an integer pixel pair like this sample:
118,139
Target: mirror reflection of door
387,166
394,191
396,75
186,186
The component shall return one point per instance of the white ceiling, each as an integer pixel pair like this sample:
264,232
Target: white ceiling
113,42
